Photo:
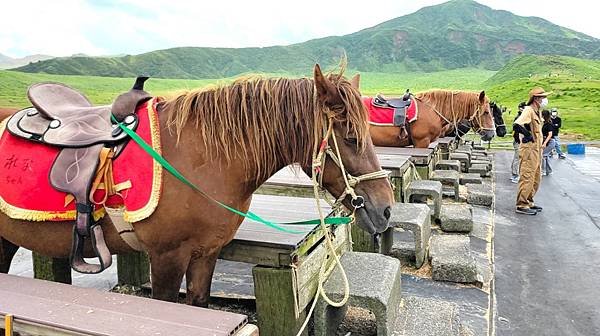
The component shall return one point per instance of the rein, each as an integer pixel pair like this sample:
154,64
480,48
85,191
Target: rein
250,215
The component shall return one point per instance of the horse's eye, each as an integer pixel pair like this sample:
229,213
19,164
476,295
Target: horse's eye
351,141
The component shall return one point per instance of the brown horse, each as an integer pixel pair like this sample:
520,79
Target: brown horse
437,111
228,140
6,112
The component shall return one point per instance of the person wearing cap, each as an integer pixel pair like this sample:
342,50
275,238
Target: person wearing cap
557,123
529,127
514,167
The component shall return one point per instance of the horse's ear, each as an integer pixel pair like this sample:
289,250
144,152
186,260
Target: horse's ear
326,92
355,81
482,96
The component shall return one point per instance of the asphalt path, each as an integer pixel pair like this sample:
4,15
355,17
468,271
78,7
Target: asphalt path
548,266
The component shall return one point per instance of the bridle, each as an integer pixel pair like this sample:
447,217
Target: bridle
324,150
477,118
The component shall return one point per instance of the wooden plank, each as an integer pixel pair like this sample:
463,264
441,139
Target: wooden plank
307,268
417,155
39,304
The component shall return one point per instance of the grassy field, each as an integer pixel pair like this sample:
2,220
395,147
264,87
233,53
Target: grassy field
101,90
577,100
576,97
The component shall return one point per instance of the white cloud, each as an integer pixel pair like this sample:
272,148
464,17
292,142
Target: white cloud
96,27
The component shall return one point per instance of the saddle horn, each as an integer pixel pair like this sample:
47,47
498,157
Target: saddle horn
139,82
126,103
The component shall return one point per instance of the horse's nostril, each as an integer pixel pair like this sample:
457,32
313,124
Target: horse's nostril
387,213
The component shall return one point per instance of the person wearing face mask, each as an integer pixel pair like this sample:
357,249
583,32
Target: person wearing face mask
557,123
529,127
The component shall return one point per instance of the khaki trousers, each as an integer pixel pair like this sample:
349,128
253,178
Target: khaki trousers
530,157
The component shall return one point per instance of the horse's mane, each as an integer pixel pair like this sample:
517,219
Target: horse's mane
454,105
262,120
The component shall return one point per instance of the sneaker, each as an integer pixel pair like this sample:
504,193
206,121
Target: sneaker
526,211
562,156
549,173
536,208
514,179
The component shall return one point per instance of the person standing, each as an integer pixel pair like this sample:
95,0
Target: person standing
548,143
529,127
514,167
557,123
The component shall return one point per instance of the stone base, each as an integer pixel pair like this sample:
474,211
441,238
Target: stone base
375,284
451,259
479,194
456,218
473,178
448,165
428,317
480,169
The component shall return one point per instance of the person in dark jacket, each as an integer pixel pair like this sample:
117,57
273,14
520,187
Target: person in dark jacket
557,123
547,143
514,167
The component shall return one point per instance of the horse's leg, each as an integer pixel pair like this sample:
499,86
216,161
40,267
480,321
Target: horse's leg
168,268
199,276
7,252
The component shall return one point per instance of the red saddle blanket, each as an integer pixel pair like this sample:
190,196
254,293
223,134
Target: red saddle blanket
26,192
385,116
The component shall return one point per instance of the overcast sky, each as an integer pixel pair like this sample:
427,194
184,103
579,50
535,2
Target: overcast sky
94,27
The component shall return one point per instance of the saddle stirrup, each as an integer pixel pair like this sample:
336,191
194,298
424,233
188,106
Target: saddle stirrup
87,229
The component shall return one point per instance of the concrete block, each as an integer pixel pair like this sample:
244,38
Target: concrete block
375,284
451,259
474,178
415,218
486,163
480,169
428,317
456,218
480,194
419,189
465,161
448,165
448,178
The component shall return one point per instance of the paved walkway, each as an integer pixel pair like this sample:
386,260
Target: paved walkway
589,164
548,266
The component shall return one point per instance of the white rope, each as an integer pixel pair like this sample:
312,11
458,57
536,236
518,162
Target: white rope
319,159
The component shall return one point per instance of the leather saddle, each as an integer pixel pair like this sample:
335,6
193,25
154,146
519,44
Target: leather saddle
63,117
399,106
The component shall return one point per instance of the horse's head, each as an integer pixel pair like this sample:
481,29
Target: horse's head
483,121
340,103
498,119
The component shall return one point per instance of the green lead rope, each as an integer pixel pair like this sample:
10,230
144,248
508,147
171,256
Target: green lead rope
250,215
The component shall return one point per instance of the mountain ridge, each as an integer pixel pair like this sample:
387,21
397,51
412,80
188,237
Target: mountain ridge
452,35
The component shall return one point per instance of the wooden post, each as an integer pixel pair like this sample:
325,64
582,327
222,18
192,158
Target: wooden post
423,172
276,301
133,268
398,188
362,241
51,269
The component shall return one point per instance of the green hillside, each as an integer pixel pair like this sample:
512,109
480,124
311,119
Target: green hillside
526,66
575,84
453,35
